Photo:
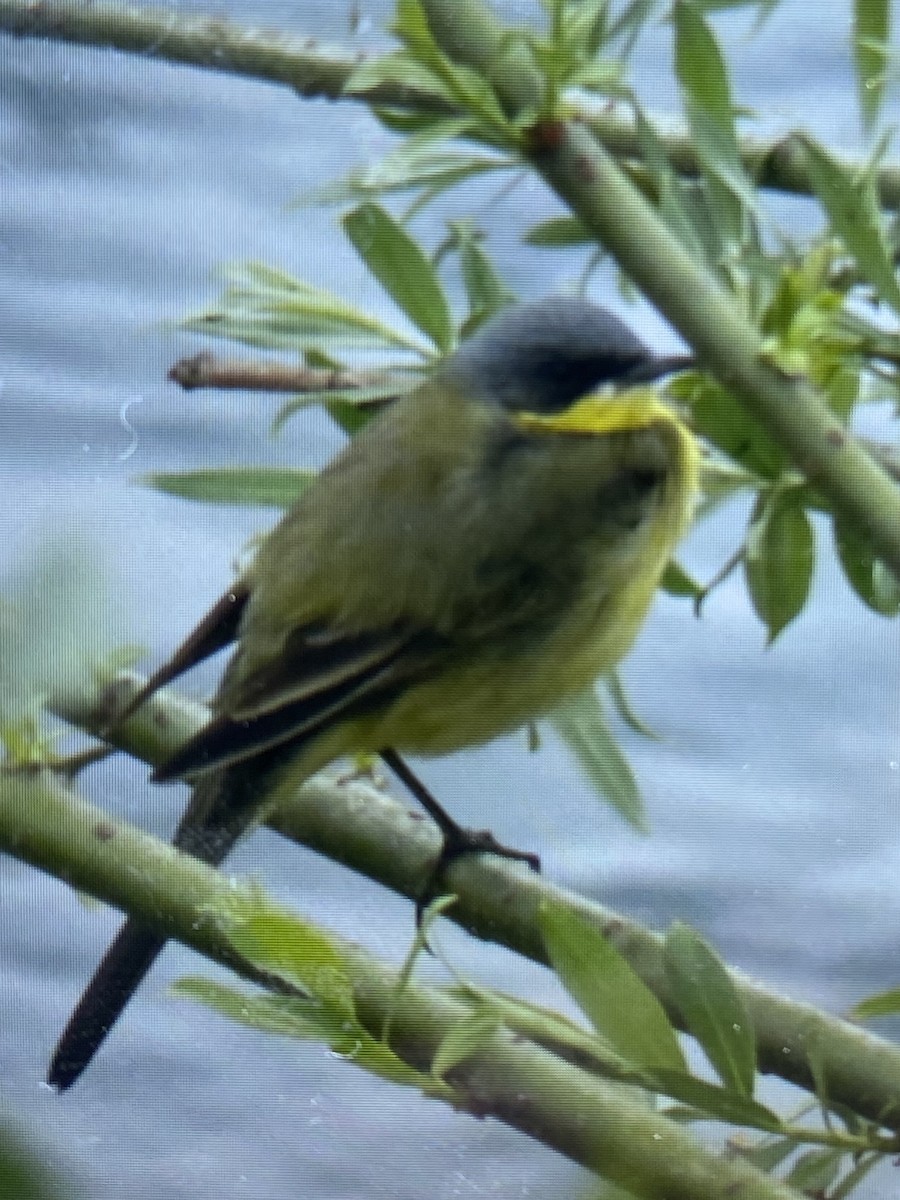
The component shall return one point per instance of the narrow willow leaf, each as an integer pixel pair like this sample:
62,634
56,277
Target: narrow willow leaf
269,487
261,306
629,23
547,1028
851,201
606,988
283,944
672,203
581,723
421,160
464,1039
712,1008
779,558
401,69
720,1103
559,232
436,171
703,76
402,269
486,292
624,708
311,1021
585,27
881,1004
400,120
284,1017
867,575
849,1183
768,1154
465,86
603,78
677,582
815,1171
411,27
871,38
723,421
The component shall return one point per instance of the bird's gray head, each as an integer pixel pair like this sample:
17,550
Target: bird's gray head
543,355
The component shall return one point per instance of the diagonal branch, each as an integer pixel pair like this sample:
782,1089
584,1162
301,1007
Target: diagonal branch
315,71
593,1121
581,172
358,825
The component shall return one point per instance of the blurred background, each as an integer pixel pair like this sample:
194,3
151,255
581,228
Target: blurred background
772,793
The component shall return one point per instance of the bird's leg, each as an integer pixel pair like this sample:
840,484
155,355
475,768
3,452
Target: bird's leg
457,840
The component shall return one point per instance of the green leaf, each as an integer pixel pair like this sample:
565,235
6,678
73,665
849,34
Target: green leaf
583,27
309,1020
486,292
603,78
411,27
275,487
814,1172
548,1029
464,86
400,69
624,707
281,943
304,1020
559,233
703,76
851,201
721,1103
712,1008
768,1154
606,988
720,419
421,160
677,582
850,1181
464,1039
872,581
673,200
262,306
871,39
581,724
779,558
400,266
881,1004
699,64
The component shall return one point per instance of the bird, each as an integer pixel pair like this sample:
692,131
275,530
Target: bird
483,549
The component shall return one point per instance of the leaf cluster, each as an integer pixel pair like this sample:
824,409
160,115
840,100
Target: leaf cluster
629,1040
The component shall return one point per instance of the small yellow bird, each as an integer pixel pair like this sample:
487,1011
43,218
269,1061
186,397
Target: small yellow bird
485,548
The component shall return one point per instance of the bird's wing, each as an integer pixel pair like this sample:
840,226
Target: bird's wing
320,677
218,629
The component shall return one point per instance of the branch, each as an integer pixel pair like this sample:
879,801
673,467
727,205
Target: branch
602,1125
315,72
579,170
357,825
207,370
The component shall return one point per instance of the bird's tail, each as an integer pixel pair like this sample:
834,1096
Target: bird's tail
224,803
119,974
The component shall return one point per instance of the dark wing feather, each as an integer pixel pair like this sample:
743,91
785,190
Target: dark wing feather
320,678
218,629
